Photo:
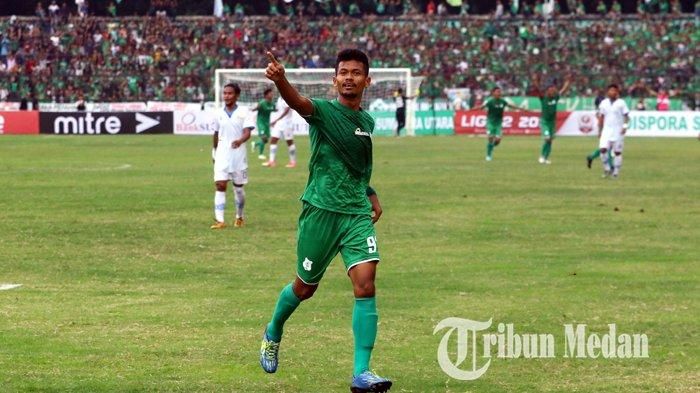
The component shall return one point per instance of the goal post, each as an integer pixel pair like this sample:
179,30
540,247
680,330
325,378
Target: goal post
318,83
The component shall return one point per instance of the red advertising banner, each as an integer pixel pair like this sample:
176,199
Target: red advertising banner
514,123
19,122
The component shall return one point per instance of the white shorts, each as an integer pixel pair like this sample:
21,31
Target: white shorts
239,177
283,130
615,146
611,141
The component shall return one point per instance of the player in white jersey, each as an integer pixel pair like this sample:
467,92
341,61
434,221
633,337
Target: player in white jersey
232,126
282,128
613,120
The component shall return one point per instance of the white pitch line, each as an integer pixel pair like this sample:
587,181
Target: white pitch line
108,168
122,167
5,287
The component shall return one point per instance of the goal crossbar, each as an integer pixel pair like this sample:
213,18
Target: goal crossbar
388,78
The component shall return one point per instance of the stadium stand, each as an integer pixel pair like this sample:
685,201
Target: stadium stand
58,55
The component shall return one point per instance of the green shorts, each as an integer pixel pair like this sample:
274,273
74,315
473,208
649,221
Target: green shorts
548,128
264,131
323,233
493,129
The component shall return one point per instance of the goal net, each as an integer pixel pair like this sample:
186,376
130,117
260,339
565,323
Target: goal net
318,83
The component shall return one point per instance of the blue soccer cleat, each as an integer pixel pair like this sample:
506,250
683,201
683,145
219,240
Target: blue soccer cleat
368,382
269,354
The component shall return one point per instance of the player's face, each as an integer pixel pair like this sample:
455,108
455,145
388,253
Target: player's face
497,93
551,91
613,93
268,96
230,96
350,80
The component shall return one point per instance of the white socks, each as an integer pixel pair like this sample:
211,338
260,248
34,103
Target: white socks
219,205
606,162
273,152
291,149
292,153
617,162
240,201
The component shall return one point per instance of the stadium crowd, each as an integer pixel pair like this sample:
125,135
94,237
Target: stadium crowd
527,8
56,56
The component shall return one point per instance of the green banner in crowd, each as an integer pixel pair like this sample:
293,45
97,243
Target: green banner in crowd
439,122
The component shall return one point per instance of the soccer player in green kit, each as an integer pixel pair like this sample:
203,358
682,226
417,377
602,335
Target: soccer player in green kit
495,105
338,213
548,118
265,107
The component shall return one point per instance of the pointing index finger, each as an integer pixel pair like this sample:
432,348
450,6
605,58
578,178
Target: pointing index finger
272,58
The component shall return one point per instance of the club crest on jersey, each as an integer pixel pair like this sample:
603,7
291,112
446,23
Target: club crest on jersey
307,264
359,132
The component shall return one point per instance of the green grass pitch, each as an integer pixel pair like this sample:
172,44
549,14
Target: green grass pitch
125,287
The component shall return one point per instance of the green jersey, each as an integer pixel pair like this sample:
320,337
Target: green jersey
265,107
341,158
494,110
549,107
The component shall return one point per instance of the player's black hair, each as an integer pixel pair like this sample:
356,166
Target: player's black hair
234,86
352,54
399,90
268,90
495,88
610,86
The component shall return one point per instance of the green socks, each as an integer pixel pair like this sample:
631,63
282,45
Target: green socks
364,328
261,146
286,304
489,149
364,325
596,154
546,149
